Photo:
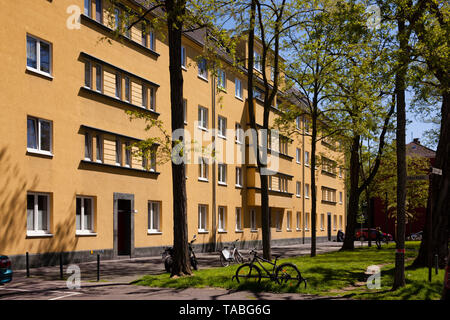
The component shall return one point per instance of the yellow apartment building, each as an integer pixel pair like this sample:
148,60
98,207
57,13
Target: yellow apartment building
69,179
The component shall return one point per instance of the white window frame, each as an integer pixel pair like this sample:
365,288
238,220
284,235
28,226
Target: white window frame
128,155
222,219
222,127
154,226
203,169
298,123
257,61
238,88
221,79
298,155
183,57
99,78
88,8
202,218
298,226
38,57
307,189
118,86
118,152
322,221
202,66
307,164
36,231
298,187
239,139
203,121
288,220
253,227
83,230
239,177
144,94
222,174
37,125
334,222
127,90
340,197
88,146
238,227
152,104
185,111
307,221
88,75
99,148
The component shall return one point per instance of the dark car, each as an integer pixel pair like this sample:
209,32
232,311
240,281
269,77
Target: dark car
362,235
6,272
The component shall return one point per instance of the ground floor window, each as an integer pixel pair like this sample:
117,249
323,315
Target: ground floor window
202,218
252,220
85,215
299,221
222,219
38,213
238,219
288,220
154,217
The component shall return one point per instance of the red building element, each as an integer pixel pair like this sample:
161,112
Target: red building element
380,215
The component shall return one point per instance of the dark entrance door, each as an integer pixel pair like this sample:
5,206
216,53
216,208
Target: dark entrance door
329,226
124,227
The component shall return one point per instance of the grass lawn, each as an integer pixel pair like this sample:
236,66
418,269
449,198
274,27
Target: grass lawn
328,274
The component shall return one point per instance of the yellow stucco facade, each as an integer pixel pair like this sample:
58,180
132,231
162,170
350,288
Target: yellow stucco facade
68,183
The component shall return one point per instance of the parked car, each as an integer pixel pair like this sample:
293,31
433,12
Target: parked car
6,272
362,235
416,236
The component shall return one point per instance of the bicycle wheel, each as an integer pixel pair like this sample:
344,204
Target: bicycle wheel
288,274
248,273
238,257
224,262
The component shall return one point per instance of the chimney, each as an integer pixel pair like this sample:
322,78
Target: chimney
416,141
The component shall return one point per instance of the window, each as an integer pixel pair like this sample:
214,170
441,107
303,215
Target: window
203,169
328,166
252,220
84,215
116,18
328,195
283,146
144,38
297,189
127,25
98,78
299,221
239,133
118,152
87,8
222,219
202,69
152,99
153,159
87,147
258,94
340,197
38,55
222,168
221,79
257,61
127,154
306,125
99,148
297,123
283,184
118,86
238,88
307,221
38,213
269,178
144,162
272,73
127,89
144,96
238,219
307,191
222,124
238,177
202,218
87,75
99,11
288,220
340,222
340,172
185,111
154,217
298,155
183,56
278,220
203,118
39,135
334,222
306,158
152,38
322,221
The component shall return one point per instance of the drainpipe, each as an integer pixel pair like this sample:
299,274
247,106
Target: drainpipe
214,183
303,182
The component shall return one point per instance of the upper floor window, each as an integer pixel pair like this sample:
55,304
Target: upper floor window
127,89
238,177
238,88
39,55
222,168
99,148
87,75
87,146
183,56
185,111
297,122
39,135
222,124
118,86
203,69
298,154
88,8
202,118
306,158
221,79
203,169
99,11
98,78
257,61
239,133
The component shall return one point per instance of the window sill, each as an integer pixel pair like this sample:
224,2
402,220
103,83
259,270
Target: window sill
222,231
298,229
254,231
184,68
39,235
222,136
238,186
202,78
150,232
239,231
85,234
202,231
222,184
39,152
239,98
298,196
278,230
203,129
203,180
238,142
40,73
288,230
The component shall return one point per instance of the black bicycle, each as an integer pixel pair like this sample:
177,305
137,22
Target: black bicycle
284,274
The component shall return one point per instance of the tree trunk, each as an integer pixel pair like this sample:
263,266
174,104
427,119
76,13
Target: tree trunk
313,181
353,201
439,198
181,264
400,85
265,217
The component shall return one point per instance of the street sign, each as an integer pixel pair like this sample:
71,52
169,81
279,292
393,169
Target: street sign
436,171
414,178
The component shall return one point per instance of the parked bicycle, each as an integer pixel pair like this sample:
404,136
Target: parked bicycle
284,274
228,256
168,253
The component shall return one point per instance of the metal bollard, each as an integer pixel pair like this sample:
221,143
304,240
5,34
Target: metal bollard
98,267
436,263
61,274
27,261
